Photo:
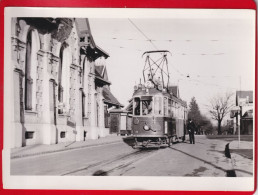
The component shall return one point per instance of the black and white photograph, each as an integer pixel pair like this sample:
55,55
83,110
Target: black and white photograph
143,99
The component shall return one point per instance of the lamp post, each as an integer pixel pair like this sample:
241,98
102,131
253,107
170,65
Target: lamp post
240,113
239,130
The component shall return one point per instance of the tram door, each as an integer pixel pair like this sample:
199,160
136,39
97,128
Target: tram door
114,123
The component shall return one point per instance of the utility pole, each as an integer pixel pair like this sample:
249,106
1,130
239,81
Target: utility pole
240,113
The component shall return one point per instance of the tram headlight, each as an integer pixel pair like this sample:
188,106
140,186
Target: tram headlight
146,127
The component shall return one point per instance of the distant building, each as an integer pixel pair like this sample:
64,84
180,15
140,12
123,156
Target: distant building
106,101
229,129
60,94
242,113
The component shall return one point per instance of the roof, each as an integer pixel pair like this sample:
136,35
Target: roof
110,98
101,75
83,27
99,70
248,114
244,94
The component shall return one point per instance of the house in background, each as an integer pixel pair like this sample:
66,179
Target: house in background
106,101
242,113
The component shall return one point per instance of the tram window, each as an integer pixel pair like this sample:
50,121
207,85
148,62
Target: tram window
158,105
169,107
179,111
165,106
172,108
176,109
146,107
136,106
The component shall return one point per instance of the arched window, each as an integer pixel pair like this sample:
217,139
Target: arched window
60,87
64,79
28,79
32,47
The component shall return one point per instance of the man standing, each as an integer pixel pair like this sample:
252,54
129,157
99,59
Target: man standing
191,129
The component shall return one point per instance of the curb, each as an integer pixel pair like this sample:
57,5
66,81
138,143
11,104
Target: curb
61,150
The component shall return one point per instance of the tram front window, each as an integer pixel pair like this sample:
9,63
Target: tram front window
142,105
146,107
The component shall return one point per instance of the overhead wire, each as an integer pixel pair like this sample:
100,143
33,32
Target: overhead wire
143,33
179,72
183,76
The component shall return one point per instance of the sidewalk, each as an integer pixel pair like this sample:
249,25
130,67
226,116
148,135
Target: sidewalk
34,150
242,157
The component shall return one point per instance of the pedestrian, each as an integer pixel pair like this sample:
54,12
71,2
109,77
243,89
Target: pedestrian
191,129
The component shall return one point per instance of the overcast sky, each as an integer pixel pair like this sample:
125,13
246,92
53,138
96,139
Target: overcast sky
216,52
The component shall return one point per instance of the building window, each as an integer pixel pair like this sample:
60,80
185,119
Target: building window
64,77
83,104
29,134
60,87
28,79
31,69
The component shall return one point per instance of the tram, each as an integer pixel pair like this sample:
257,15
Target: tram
159,115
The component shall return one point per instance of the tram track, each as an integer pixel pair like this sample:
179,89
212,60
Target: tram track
115,166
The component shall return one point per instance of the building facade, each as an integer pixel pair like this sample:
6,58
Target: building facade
57,96
242,113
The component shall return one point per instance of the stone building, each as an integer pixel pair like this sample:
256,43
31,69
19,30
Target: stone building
57,95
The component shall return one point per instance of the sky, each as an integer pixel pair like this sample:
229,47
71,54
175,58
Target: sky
210,55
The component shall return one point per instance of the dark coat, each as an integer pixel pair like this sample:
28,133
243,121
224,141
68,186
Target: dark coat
191,127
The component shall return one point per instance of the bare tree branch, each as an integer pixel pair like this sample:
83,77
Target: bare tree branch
219,107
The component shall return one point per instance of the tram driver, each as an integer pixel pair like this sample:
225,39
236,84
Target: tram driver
147,107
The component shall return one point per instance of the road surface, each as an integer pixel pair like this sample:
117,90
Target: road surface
204,159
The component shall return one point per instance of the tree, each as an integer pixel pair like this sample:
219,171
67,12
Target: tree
202,123
194,113
219,107
206,126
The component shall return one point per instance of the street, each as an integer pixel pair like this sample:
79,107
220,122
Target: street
205,158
